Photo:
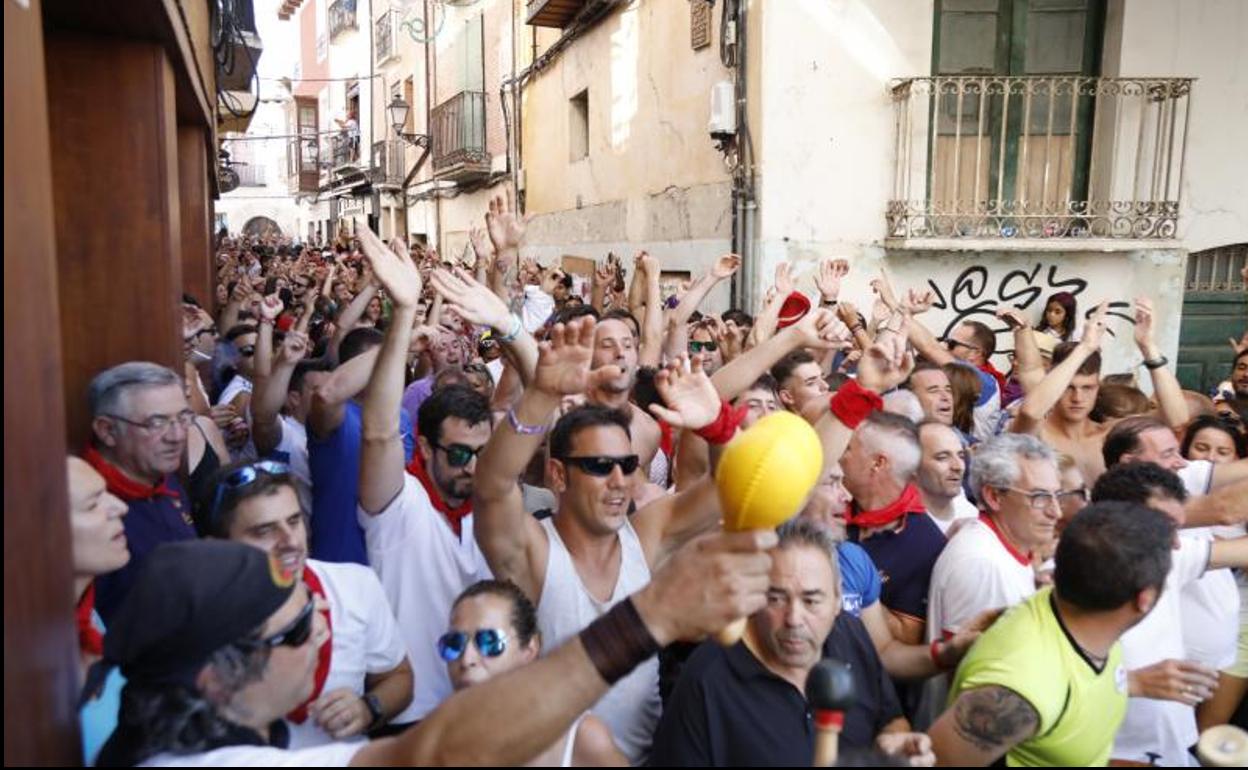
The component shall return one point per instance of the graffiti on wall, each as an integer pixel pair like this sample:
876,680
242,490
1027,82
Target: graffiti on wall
975,295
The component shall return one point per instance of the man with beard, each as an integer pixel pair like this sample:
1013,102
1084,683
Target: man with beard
615,345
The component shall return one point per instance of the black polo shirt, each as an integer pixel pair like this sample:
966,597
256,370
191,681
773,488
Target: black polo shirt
904,558
728,709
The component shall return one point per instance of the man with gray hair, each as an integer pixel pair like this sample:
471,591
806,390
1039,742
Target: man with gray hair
744,705
139,419
887,517
987,564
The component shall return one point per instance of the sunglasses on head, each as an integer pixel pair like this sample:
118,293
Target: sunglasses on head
709,346
602,466
459,455
244,477
296,633
490,642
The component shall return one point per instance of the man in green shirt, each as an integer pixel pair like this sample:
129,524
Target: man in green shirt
1045,685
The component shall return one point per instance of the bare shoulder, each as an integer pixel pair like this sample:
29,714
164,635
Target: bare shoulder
594,746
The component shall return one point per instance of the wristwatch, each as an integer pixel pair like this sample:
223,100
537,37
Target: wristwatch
1156,363
374,708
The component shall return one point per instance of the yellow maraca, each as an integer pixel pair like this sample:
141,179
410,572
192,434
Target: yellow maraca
764,478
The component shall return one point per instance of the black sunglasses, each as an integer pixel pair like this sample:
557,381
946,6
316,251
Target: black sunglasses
490,641
952,343
247,351
459,455
697,347
296,633
602,466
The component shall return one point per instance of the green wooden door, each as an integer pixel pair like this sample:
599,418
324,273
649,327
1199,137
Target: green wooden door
1215,308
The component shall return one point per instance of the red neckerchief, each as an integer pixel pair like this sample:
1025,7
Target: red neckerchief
1020,557
453,516
323,655
122,485
910,501
90,640
991,370
667,442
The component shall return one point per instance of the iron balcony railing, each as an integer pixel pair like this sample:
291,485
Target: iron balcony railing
459,131
341,17
388,168
1057,156
345,149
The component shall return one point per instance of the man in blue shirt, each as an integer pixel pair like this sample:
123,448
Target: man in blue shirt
334,436
139,419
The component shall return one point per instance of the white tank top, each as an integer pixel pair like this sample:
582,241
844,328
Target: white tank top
631,707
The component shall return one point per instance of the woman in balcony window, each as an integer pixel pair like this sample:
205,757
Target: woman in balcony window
1060,314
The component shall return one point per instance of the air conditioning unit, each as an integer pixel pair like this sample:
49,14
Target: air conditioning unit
723,122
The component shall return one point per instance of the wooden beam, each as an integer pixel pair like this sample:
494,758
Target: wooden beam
115,190
40,646
196,224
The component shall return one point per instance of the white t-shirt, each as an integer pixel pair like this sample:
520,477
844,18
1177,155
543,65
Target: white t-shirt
1161,729
496,369
975,572
329,755
423,566
962,509
292,449
1211,604
366,638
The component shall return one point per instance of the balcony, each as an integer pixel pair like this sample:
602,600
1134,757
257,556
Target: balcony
458,133
341,17
302,159
560,13
344,150
388,161
1038,157
250,174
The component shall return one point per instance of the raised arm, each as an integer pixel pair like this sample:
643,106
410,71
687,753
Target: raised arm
818,329
511,540
270,393
350,316
1028,365
330,397
677,340
474,302
1166,387
381,447
270,309
651,352
1049,391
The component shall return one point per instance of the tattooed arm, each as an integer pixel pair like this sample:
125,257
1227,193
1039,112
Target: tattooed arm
981,726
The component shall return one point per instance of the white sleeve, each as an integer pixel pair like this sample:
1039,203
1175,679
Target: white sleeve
1197,477
538,305
389,525
327,755
383,646
972,586
1190,560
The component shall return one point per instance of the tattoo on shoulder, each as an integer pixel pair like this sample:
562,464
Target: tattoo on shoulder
994,718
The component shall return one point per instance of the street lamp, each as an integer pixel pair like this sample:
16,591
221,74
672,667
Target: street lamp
399,111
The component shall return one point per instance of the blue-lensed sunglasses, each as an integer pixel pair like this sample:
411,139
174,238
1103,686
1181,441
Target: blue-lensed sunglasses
490,641
243,477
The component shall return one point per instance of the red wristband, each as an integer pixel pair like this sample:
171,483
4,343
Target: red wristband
934,651
725,426
852,403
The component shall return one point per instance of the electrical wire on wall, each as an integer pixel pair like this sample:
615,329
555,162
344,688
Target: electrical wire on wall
224,33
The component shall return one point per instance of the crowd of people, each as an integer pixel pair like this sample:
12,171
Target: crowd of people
399,508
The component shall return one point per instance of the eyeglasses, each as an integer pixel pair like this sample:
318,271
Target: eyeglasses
459,455
952,343
243,477
490,641
602,466
247,351
159,423
1038,501
1080,494
296,633
697,347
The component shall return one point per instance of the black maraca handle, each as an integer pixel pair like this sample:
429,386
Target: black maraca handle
830,686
